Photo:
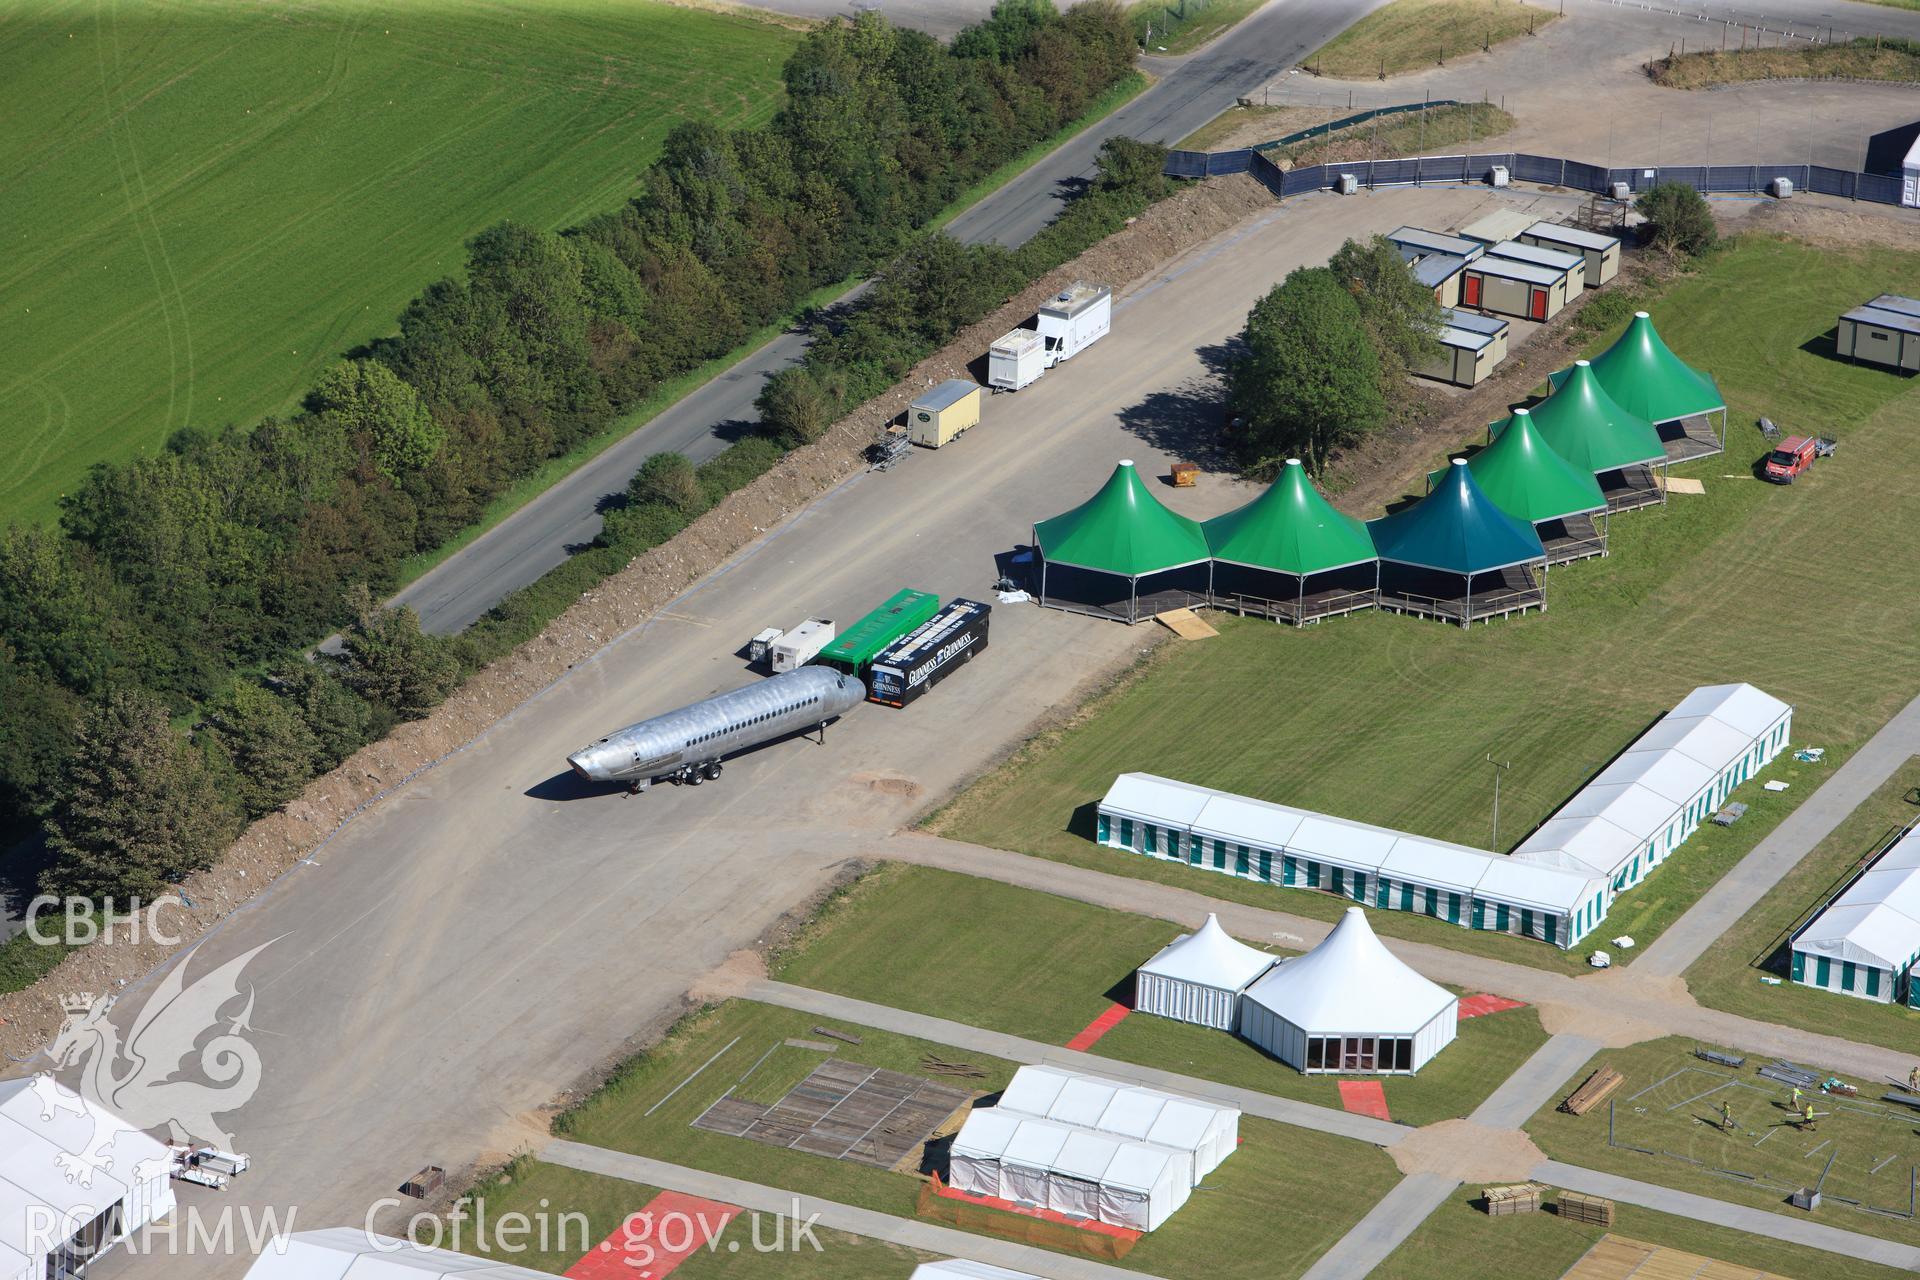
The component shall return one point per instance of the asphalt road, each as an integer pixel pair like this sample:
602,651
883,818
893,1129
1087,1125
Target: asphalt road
1190,92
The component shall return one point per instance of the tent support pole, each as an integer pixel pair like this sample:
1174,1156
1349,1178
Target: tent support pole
1376,583
1300,604
1466,619
1133,601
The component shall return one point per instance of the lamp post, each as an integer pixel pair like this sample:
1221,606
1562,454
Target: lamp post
1499,768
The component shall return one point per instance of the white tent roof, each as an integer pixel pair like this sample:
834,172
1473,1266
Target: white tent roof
1209,957
1351,983
1562,891
1577,844
1876,920
1036,1144
1344,844
32,1151
345,1253
1904,854
1714,743
1639,811
965,1269
986,1133
1436,863
1154,799
1244,821
1740,706
1033,1090
1086,1154
1134,1112
1182,1125
1138,1166
1668,774
1082,1102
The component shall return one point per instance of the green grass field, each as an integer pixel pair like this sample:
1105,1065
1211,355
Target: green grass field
1229,1227
1670,1107
1459,1242
875,943
207,202
1181,26
1860,59
1412,35
1728,975
548,1192
1388,720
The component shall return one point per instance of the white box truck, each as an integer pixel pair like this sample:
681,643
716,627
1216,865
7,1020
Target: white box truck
801,645
1016,359
1069,323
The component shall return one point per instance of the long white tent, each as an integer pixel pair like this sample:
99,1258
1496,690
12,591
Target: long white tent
1866,943
965,1269
1205,1132
1390,870
1349,1005
1198,977
75,1179
1640,808
347,1253
1068,1169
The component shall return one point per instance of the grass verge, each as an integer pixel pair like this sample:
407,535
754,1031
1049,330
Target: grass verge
1389,720
1415,133
1228,1229
1459,1242
873,943
1184,25
590,1207
1676,1119
1860,59
1410,35
1728,975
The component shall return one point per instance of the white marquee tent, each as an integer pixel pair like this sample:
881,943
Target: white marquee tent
1866,943
53,1220
1640,808
965,1269
1198,977
976,1160
1206,1132
1349,1005
1069,1169
346,1253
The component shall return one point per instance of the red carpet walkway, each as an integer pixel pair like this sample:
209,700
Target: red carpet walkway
1106,1022
1364,1097
1475,1006
652,1242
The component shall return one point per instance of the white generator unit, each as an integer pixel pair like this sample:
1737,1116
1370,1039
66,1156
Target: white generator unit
1074,320
1622,191
1346,184
1498,176
1782,188
801,645
1016,359
760,647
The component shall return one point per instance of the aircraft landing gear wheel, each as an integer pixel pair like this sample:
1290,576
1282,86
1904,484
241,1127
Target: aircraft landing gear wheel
713,769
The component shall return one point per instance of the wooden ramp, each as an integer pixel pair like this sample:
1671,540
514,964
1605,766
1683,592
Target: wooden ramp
1186,624
1619,1258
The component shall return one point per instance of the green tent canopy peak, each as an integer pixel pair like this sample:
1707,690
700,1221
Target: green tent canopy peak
1289,529
1641,372
1589,428
1525,477
1122,529
1456,529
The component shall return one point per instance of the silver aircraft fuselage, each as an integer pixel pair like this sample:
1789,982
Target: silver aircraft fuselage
700,735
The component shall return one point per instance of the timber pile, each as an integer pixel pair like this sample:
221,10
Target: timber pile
1598,1088
1576,1207
1521,1197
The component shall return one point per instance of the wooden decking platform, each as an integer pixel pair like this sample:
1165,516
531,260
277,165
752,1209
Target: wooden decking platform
1572,538
1300,610
1690,438
1513,590
1630,488
1615,1257
844,1111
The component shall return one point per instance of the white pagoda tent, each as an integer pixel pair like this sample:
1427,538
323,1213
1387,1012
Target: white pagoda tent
1198,977
1349,1005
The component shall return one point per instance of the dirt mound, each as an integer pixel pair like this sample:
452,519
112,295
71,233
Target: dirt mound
1468,1151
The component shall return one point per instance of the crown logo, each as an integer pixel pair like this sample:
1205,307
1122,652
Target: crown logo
77,1002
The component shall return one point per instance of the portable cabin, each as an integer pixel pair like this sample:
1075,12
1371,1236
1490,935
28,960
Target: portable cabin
1601,252
1572,264
1501,224
1885,332
1467,353
1513,288
1417,242
1440,272
944,412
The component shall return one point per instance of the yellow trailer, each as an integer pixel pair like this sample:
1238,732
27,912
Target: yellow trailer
943,413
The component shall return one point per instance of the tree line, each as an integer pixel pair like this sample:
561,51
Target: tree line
153,692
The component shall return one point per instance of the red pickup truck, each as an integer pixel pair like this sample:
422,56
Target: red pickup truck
1790,457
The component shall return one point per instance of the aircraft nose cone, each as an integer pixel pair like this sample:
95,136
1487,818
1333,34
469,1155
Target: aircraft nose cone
583,765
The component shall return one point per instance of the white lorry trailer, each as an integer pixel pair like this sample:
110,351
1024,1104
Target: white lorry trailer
801,645
1069,323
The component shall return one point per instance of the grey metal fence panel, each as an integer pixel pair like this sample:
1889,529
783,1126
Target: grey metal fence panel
1877,187
1268,174
1584,177
1395,173
1185,164
1439,168
1694,175
1545,169
1830,182
1301,181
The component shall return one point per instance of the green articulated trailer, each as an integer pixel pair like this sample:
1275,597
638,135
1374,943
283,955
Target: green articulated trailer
854,650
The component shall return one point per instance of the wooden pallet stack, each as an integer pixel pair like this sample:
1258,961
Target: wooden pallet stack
1522,1197
1576,1207
1597,1089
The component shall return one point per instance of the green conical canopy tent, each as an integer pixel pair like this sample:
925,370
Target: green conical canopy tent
1456,529
1289,529
1590,429
1647,379
1123,530
1526,478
